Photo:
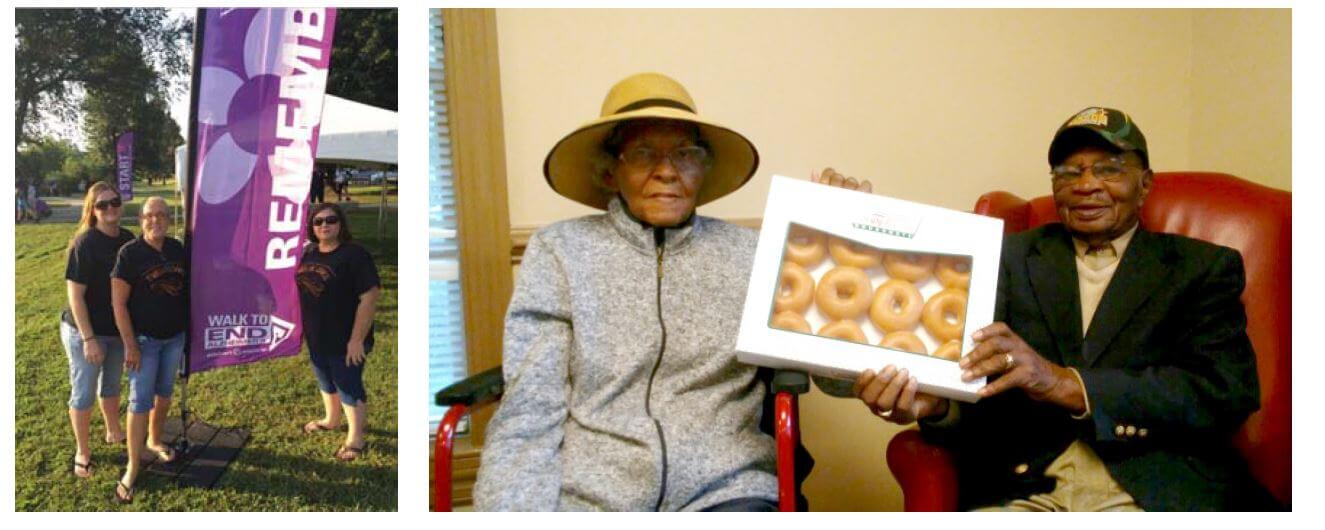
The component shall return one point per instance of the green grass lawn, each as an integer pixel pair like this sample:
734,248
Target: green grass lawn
280,469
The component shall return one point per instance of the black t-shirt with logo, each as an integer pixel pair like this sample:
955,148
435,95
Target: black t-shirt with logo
90,261
158,301
329,289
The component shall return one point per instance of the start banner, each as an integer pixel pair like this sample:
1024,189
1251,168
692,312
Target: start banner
124,165
259,80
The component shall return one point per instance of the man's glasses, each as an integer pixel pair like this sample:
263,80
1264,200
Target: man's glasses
328,219
109,203
1107,170
685,159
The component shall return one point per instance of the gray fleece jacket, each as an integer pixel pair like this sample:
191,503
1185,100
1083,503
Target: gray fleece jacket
623,391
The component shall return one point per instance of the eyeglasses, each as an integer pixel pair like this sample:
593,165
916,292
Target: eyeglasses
1107,170
328,219
686,159
109,203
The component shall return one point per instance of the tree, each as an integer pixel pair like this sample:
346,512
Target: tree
43,159
60,53
156,135
363,57
77,170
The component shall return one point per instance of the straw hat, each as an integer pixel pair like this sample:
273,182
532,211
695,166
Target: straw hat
569,166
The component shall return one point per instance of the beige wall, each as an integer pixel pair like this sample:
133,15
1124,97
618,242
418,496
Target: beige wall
936,106
1242,94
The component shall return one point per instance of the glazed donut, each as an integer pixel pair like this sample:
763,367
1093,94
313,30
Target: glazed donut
908,266
843,293
853,254
843,329
951,350
954,272
790,321
805,246
795,289
935,315
896,306
905,341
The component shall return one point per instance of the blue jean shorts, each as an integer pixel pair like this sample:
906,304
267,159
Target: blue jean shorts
87,380
334,377
155,375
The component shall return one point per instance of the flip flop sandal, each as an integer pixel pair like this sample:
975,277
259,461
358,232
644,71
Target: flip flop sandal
87,468
350,454
165,456
127,497
118,441
153,456
315,426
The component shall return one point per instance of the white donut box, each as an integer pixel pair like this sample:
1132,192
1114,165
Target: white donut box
880,222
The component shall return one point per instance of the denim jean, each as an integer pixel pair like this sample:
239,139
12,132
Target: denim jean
334,377
86,379
155,375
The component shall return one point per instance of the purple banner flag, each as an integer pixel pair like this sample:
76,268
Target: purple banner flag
124,165
259,86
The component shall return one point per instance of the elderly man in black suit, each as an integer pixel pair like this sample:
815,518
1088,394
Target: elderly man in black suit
1119,365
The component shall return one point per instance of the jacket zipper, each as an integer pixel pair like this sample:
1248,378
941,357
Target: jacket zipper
659,237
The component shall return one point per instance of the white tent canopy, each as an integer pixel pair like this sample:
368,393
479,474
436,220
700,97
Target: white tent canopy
352,133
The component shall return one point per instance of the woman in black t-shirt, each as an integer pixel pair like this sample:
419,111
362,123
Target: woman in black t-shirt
338,289
87,328
149,291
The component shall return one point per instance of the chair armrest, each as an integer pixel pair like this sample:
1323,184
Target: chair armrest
791,381
926,472
476,390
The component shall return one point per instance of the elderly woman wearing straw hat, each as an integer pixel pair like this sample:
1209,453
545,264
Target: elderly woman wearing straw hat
623,391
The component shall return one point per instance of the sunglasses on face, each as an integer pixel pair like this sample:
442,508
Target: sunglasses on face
109,203
329,220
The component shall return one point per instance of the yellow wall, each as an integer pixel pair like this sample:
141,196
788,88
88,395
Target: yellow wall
936,106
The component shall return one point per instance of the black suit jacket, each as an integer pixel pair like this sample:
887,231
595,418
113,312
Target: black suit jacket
1167,354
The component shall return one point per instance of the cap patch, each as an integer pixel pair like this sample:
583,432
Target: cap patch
1092,116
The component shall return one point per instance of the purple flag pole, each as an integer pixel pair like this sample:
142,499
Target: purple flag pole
124,165
259,80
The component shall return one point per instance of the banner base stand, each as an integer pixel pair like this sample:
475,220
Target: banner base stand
202,452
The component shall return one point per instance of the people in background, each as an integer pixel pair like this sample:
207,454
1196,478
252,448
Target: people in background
317,186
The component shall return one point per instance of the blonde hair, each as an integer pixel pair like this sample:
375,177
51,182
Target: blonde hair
89,219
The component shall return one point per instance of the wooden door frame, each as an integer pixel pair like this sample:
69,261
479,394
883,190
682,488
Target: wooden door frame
478,154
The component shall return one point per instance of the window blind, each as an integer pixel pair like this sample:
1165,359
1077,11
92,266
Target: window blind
446,341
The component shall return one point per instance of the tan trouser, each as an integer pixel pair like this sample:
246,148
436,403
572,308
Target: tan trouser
1083,484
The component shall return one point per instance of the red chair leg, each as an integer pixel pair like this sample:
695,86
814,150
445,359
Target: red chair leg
788,437
442,458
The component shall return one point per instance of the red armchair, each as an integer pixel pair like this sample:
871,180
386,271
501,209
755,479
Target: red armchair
1215,207
487,387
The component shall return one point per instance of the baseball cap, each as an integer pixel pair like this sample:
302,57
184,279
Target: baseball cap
1093,124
